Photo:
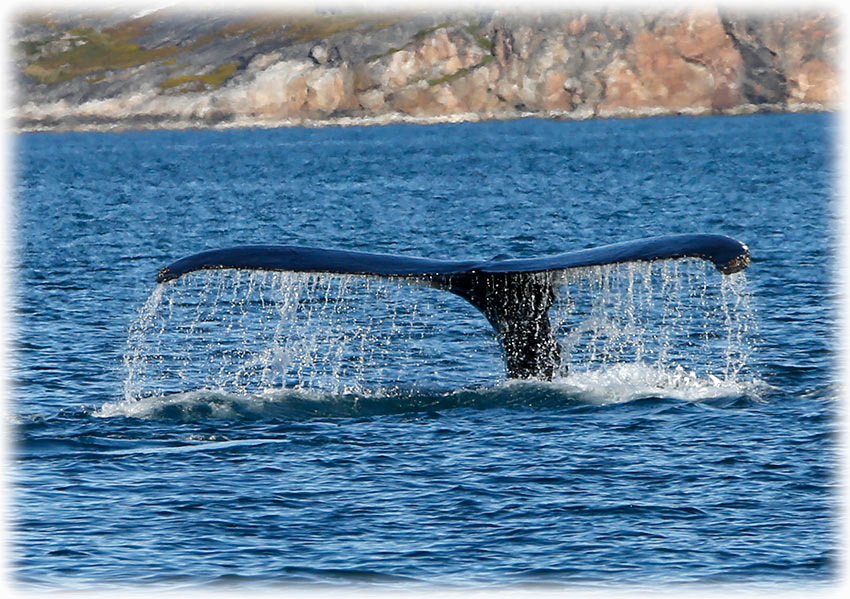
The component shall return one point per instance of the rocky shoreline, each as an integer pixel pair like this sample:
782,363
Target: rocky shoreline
165,70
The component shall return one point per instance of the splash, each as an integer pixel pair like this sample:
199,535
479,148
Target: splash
254,340
671,316
253,331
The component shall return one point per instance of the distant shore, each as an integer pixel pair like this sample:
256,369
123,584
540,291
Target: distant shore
165,70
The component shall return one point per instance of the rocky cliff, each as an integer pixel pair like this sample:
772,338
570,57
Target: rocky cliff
172,70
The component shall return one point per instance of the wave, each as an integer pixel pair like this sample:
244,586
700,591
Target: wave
616,384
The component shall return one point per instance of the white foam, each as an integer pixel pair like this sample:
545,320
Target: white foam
613,384
619,383
210,403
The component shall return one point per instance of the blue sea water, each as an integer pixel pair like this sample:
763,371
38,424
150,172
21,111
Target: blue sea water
264,429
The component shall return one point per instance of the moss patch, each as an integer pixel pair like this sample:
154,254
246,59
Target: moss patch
480,39
88,51
312,28
211,80
31,48
91,53
417,37
459,73
423,33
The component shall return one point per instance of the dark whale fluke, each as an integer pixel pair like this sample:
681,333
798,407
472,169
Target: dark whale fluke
514,294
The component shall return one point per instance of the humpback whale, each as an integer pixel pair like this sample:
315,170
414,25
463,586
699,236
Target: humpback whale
514,294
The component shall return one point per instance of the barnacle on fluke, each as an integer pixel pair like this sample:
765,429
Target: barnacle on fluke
737,264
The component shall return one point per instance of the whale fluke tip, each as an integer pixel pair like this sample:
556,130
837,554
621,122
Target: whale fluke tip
164,275
736,264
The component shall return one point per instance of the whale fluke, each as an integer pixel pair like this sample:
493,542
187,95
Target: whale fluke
514,294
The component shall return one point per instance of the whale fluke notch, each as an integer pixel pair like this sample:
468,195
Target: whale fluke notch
514,294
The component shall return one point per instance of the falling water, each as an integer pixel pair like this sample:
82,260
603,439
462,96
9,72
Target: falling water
255,331
250,332
664,326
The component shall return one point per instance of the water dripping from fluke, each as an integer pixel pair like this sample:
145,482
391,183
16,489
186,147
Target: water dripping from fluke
613,324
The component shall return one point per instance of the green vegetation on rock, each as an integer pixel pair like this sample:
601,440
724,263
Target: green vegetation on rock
86,51
211,80
417,37
474,29
423,33
460,72
312,28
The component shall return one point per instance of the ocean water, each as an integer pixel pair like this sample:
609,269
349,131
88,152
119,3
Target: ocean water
259,430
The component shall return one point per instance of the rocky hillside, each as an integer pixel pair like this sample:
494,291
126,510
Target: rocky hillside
170,70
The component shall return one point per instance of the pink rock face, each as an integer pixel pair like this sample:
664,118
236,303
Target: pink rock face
691,64
815,83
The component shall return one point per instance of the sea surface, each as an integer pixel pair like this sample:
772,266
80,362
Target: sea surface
260,430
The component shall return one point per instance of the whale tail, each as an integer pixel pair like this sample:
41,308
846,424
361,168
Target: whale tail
517,307
513,294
